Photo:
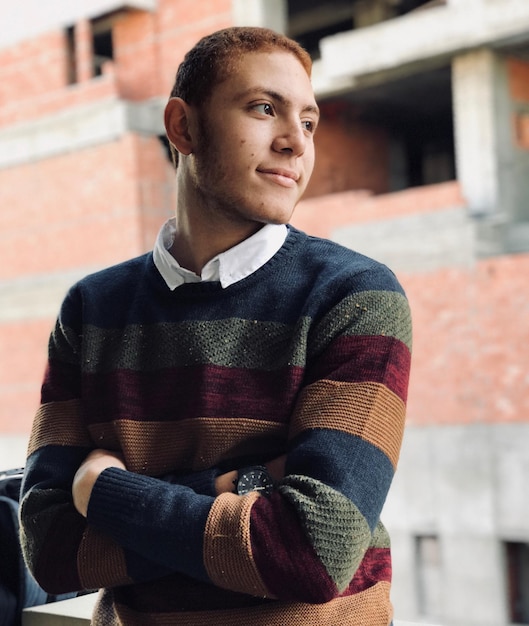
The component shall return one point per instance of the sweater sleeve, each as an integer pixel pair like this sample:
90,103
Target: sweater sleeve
319,535
61,550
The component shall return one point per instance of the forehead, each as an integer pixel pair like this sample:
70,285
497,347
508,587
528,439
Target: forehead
278,71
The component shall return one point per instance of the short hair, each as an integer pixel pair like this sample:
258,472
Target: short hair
214,57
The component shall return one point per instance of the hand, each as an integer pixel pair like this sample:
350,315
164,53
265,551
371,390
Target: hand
87,474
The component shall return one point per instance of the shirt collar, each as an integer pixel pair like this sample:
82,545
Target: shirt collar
227,267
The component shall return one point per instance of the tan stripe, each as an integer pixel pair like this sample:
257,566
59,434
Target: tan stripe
155,448
367,410
101,562
227,549
58,423
368,608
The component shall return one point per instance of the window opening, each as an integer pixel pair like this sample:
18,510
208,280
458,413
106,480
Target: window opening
312,20
406,6
517,564
103,49
71,64
428,571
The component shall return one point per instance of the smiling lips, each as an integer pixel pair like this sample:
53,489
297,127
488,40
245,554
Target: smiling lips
280,176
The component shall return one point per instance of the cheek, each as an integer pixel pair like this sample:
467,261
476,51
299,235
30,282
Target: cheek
246,155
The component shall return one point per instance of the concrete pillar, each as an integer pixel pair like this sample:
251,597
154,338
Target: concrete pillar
268,13
481,104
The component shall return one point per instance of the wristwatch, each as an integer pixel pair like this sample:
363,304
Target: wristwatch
254,478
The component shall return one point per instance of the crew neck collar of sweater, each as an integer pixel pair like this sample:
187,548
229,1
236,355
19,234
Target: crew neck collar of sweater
227,267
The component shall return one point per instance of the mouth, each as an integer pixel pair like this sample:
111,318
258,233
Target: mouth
280,176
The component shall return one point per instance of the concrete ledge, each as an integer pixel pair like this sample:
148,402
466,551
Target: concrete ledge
77,612
79,127
433,35
73,612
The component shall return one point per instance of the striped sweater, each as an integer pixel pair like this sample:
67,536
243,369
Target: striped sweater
308,357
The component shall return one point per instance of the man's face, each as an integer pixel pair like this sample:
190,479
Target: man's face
255,151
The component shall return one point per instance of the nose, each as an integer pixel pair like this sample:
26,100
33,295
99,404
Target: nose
290,138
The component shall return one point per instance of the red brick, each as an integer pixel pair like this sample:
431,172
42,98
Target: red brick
471,333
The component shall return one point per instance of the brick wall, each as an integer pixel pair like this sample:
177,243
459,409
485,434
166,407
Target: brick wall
73,210
470,350
350,154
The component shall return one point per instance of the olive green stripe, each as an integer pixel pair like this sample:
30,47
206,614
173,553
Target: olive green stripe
234,342
385,313
380,537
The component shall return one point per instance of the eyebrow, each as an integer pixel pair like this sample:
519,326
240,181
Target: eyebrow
274,95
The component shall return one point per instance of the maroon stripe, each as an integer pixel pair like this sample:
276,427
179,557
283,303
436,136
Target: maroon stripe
61,382
184,393
375,567
377,359
285,559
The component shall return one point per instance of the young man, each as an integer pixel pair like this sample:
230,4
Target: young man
221,418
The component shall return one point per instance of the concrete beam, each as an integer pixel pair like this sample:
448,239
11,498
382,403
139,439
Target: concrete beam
36,297
421,37
78,128
13,451
31,18
415,243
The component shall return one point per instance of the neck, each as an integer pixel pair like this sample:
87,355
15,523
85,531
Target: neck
203,229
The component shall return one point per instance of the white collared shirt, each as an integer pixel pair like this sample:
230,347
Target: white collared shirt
227,267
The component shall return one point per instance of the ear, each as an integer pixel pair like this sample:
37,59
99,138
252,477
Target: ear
177,121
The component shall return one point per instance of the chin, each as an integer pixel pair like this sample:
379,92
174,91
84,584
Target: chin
277,215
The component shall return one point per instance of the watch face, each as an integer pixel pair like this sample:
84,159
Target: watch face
255,479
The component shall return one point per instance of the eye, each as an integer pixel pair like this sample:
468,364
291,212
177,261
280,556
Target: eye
309,126
265,108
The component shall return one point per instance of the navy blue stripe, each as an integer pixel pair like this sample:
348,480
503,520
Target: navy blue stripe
141,569
307,271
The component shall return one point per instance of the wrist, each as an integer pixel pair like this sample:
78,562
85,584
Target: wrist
83,483
88,473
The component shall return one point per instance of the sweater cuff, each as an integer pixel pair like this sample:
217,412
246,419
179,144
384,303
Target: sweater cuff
147,515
